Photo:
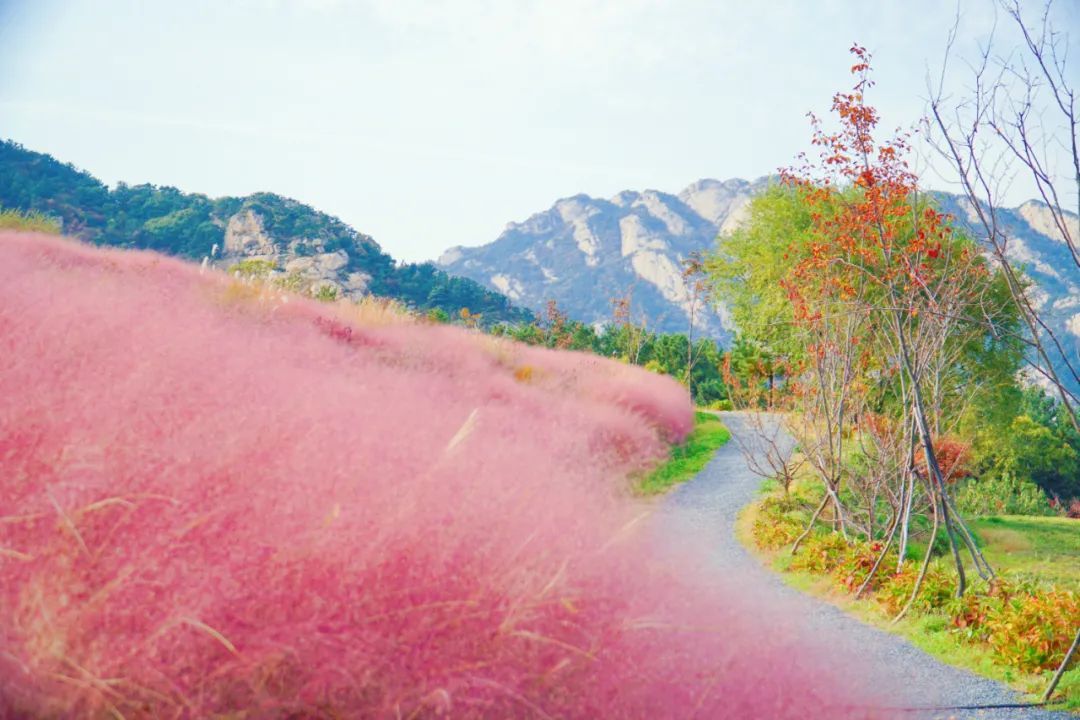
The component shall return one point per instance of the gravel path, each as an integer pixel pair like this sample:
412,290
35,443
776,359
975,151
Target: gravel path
704,511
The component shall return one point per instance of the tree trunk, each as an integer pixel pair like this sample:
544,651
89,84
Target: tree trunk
922,570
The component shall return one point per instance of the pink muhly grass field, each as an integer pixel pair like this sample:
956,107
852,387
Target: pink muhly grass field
217,499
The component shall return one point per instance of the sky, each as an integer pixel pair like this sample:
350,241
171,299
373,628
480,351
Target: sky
433,123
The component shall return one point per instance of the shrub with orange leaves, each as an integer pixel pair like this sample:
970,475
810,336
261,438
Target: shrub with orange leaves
953,457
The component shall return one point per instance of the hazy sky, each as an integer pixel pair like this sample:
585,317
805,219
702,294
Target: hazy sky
433,123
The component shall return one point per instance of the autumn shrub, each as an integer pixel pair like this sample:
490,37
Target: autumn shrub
1032,630
1027,626
821,553
774,526
937,587
953,455
856,563
968,614
217,503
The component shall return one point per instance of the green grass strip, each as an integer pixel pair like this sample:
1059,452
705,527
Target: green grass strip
689,458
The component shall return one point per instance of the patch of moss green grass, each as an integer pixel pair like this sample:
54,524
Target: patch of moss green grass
1043,549
689,458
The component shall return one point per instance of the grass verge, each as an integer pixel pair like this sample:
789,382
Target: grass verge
1035,548
689,458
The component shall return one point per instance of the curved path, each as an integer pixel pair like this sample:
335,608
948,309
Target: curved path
704,511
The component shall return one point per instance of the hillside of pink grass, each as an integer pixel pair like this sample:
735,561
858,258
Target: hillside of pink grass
220,500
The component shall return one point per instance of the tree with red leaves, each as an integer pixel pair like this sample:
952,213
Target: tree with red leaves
879,292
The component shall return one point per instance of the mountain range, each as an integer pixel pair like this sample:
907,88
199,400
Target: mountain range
584,251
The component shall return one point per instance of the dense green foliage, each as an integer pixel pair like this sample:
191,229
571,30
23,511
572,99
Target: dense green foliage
1003,492
750,264
1042,444
689,458
1024,453
752,271
190,225
698,367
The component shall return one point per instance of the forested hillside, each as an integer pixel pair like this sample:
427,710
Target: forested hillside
291,238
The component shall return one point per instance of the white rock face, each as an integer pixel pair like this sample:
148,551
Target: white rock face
246,237
508,286
1037,297
577,214
321,265
658,269
637,238
1041,220
968,210
715,200
737,217
357,283
655,206
1070,302
1018,251
451,256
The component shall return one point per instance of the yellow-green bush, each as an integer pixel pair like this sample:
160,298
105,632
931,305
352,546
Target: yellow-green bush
28,221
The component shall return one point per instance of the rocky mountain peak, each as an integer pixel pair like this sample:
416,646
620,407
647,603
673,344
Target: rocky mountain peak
586,251
715,200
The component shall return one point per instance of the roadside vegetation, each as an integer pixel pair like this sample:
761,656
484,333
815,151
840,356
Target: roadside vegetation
1015,629
667,354
687,458
694,361
931,478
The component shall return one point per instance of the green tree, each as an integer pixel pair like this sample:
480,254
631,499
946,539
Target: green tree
749,264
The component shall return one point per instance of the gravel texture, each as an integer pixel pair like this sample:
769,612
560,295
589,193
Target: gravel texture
702,513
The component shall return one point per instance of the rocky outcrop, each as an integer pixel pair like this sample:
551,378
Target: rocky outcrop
245,236
306,263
